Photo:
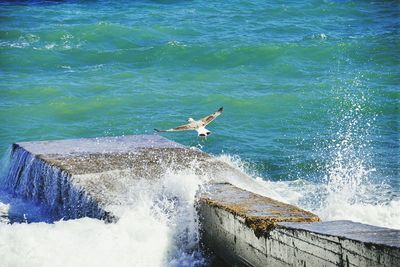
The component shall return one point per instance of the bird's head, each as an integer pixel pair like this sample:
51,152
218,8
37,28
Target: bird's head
190,120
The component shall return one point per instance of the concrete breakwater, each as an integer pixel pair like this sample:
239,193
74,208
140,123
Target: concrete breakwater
248,230
87,177
78,178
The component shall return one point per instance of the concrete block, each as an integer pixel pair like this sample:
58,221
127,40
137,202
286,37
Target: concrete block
86,177
246,229
360,244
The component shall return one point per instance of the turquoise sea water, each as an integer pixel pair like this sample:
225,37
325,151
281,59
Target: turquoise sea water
293,76
310,91
310,88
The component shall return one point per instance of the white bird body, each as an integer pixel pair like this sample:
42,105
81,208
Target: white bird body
198,126
202,131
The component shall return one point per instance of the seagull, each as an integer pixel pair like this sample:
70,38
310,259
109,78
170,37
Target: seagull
199,126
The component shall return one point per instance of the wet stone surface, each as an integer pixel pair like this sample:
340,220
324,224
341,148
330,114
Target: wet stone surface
100,145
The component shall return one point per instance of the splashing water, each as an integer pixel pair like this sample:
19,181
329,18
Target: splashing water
341,198
351,188
158,228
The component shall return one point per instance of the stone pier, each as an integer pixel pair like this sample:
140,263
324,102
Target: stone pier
82,177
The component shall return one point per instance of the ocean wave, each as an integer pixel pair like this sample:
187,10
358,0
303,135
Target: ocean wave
159,227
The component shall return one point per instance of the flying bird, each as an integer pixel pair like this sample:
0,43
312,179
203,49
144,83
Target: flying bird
199,126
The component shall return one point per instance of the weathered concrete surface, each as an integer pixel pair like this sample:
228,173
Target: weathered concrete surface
85,177
88,177
230,232
345,243
258,212
236,223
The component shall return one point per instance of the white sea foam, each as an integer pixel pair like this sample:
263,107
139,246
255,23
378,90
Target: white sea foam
274,189
158,229
50,46
348,195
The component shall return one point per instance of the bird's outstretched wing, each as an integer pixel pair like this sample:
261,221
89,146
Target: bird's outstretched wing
210,118
185,127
